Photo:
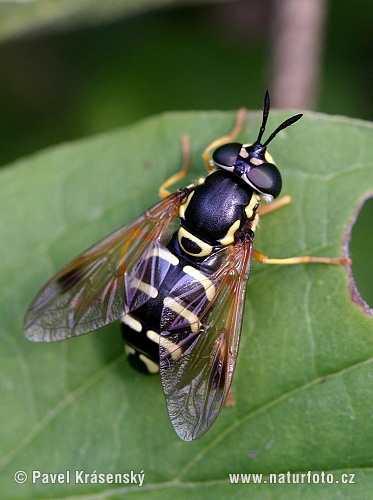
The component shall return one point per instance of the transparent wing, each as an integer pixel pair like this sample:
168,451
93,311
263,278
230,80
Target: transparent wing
95,288
197,358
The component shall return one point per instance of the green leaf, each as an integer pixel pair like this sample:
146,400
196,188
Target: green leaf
18,17
303,385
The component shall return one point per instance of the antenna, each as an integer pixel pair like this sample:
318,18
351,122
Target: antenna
283,125
267,104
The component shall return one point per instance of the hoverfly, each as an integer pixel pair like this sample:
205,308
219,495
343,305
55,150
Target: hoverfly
176,278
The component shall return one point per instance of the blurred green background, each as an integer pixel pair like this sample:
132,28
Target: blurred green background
68,72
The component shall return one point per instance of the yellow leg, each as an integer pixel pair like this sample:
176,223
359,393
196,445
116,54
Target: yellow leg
306,259
185,146
240,120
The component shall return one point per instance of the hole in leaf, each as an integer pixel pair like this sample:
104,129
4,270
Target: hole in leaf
360,245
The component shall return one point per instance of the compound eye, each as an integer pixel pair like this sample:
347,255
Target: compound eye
266,178
226,155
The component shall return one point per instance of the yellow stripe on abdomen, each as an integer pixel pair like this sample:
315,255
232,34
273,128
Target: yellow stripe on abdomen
203,280
182,311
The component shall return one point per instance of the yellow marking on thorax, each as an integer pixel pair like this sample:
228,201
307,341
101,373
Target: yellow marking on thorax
144,287
181,310
203,280
229,237
175,350
184,206
206,249
249,210
164,254
200,181
255,223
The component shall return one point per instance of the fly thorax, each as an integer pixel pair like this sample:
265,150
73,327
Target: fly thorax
214,212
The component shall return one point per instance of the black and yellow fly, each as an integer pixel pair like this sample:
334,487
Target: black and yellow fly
176,278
